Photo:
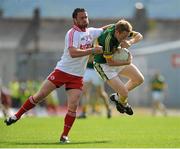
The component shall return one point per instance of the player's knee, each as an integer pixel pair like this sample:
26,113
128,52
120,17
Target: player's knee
139,80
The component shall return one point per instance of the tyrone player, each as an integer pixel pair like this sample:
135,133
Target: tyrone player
69,70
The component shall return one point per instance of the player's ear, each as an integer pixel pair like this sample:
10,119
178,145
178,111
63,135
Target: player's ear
75,20
116,33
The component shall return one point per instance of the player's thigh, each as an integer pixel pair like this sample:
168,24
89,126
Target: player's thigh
73,97
132,72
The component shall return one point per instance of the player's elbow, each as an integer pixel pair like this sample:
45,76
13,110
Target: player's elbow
128,63
140,36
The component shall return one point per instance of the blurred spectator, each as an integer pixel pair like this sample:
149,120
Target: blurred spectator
93,82
27,88
52,102
158,88
14,88
5,100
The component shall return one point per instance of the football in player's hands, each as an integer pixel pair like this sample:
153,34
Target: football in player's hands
121,54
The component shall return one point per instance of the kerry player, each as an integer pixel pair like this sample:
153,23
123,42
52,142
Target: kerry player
119,34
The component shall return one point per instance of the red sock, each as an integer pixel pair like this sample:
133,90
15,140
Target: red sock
68,122
29,104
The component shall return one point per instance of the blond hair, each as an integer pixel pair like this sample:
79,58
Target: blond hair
123,25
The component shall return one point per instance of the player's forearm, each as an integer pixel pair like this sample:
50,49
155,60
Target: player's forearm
118,63
107,26
80,52
136,39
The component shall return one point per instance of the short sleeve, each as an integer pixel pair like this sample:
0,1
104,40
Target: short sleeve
95,32
107,47
72,39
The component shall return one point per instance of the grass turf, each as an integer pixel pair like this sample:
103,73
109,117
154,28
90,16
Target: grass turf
94,132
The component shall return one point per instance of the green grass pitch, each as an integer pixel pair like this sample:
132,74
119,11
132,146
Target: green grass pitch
94,132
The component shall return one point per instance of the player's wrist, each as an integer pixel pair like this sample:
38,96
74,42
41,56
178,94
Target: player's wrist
131,42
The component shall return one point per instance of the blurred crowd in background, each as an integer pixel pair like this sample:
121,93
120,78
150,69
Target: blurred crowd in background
17,92
32,40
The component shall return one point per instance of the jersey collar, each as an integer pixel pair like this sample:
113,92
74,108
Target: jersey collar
78,29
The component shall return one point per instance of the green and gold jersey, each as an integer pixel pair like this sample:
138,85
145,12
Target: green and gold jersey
90,65
158,83
108,42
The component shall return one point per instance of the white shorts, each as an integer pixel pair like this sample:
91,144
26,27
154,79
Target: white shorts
92,76
107,72
158,96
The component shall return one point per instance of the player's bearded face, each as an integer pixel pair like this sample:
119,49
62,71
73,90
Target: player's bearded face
82,20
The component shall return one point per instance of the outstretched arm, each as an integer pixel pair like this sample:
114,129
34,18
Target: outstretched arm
134,38
75,52
106,26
